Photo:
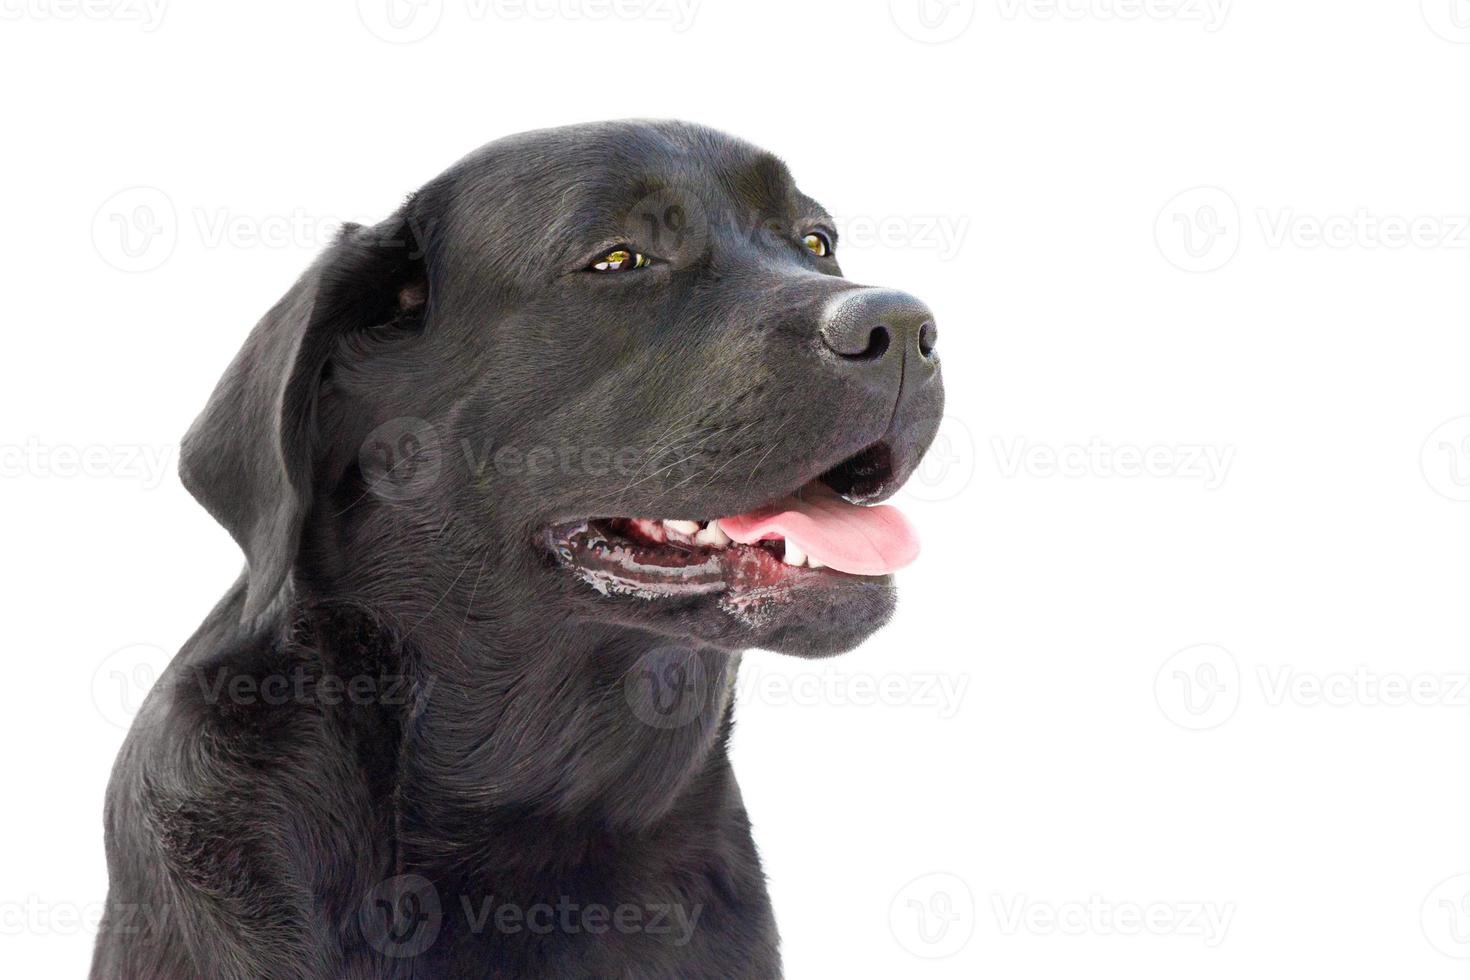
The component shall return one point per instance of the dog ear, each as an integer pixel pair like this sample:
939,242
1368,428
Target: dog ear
249,457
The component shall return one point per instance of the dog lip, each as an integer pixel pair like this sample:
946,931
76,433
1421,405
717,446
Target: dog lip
613,562
864,478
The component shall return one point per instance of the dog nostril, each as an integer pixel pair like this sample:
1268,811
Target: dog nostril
875,327
879,340
928,336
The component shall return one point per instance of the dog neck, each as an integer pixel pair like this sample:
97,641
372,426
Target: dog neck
562,729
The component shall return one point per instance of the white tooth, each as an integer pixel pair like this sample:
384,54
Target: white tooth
686,528
651,529
793,555
712,536
813,563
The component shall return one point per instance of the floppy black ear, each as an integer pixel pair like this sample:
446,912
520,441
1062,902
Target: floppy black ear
249,456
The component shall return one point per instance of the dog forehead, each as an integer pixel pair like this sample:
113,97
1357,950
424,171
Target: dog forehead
576,181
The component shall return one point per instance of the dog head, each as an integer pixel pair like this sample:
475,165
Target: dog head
613,370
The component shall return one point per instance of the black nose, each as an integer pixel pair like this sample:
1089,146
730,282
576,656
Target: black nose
875,326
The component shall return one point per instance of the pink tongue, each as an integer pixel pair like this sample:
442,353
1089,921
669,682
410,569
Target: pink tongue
844,536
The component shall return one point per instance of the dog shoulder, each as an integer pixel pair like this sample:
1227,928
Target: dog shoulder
240,799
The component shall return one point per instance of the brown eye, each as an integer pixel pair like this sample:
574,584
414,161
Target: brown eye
620,260
818,244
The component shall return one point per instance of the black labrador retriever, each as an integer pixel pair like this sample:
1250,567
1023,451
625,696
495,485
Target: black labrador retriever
517,474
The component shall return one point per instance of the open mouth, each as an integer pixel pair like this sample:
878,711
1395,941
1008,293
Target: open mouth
825,531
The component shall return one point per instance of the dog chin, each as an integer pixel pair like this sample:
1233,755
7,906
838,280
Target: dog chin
828,622
817,617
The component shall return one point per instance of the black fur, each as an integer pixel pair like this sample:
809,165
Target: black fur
407,743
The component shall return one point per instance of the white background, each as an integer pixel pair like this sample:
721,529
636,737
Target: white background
1180,232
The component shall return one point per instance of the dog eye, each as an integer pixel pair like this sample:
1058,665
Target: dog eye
818,244
620,260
